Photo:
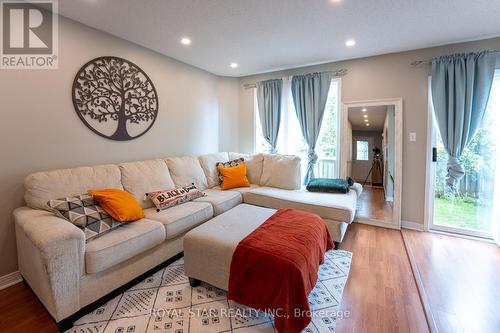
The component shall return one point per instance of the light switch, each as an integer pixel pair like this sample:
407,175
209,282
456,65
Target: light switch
413,136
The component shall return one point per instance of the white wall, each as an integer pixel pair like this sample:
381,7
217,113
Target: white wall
385,76
40,130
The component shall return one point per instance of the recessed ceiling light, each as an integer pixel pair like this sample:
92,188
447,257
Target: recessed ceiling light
367,124
365,115
366,120
363,110
335,1
350,43
185,41
233,65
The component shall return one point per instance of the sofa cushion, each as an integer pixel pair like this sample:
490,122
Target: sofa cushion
221,200
142,177
234,177
281,171
187,170
208,164
119,204
333,206
228,164
175,196
84,212
254,165
328,185
44,186
182,218
242,190
122,244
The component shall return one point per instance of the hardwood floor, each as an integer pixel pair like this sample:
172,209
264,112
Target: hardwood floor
372,205
460,278
21,311
380,295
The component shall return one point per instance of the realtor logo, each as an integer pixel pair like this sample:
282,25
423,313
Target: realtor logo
29,34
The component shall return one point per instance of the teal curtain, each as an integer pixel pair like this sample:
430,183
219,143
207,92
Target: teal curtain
310,93
461,85
269,104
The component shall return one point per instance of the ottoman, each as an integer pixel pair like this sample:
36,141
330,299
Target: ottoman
209,248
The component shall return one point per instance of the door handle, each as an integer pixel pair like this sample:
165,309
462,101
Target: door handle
434,154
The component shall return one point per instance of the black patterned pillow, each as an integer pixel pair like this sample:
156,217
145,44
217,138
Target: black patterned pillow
232,163
85,213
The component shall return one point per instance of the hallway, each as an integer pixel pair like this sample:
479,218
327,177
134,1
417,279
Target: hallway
372,205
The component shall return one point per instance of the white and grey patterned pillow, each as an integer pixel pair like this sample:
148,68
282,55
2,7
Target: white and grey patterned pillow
229,164
84,212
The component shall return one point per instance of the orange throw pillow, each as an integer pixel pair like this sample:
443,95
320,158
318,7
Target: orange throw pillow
119,204
235,176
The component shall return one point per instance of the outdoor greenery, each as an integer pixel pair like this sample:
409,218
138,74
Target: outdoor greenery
462,212
471,206
327,141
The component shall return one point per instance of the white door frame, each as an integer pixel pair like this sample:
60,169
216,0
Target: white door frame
398,155
430,167
430,182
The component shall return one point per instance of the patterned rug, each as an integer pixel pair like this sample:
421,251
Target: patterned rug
166,303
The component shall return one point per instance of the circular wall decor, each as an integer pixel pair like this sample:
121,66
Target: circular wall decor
115,98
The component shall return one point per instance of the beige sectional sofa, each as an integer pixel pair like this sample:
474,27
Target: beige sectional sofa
67,274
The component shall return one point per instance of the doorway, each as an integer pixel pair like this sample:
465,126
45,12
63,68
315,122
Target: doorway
371,155
471,211
362,159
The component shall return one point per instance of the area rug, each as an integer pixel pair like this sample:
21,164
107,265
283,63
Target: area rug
166,303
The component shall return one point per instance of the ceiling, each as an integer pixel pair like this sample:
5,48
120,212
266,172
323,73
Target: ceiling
263,35
375,116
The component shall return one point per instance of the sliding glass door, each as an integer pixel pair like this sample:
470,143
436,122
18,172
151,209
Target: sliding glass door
471,211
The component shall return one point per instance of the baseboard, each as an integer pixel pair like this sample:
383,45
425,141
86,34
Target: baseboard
10,279
412,225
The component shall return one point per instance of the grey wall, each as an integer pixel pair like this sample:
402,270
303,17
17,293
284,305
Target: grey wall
198,113
40,130
228,93
385,76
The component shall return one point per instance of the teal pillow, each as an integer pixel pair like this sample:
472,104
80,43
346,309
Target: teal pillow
329,185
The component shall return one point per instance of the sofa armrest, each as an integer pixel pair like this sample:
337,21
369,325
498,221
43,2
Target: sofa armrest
358,188
51,259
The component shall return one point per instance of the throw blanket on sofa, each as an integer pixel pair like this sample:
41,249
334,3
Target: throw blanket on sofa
275,267
330,185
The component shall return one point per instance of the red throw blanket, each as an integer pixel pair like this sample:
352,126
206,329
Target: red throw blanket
275,267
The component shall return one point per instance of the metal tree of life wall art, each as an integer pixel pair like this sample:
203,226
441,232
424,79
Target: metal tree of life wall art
115,98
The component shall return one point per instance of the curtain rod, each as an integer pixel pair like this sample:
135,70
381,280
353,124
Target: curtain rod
339,73
428,61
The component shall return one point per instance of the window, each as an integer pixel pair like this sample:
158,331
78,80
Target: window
361,150
290,139
473,210
326,147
